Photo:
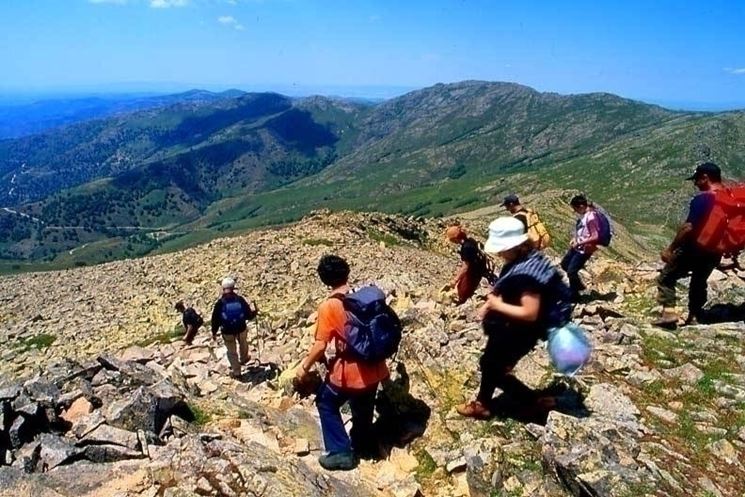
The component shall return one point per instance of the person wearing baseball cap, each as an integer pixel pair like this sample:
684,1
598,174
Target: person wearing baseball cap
229,316
534,227
528,299
683,256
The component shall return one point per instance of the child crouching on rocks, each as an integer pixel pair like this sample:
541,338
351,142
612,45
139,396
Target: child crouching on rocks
528,299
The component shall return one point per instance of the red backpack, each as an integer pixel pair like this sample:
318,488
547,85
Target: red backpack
723,231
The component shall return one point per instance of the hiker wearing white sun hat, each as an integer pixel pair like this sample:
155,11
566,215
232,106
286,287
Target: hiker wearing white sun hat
529,297
505,233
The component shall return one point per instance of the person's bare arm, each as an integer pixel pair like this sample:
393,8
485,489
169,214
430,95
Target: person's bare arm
527,310
316,352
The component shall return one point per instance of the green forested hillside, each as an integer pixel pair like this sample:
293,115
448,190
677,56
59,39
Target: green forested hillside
168,178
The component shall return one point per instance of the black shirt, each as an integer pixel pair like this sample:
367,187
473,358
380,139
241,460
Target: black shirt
192,318
534,273
470,251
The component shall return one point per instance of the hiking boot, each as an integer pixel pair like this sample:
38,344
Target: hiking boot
343,461
668,320
474,409
691,320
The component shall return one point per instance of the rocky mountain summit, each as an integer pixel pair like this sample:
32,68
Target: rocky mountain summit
99,397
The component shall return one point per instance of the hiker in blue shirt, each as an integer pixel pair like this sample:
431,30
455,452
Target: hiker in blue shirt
683,257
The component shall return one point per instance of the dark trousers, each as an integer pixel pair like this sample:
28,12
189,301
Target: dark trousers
572,263
362,403
687,261
506,344
191,332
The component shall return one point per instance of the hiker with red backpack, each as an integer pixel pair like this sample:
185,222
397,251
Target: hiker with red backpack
229,316
698,245
365,332
592,230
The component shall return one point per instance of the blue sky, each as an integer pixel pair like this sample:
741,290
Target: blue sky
663,51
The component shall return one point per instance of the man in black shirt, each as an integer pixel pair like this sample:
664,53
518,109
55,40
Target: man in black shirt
229,316
192,321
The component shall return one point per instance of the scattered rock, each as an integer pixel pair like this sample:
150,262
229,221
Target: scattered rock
78,410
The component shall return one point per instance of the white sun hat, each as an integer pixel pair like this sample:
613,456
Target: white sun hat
228,283
505,233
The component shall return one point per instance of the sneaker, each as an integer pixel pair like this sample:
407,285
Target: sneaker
343,461
474,409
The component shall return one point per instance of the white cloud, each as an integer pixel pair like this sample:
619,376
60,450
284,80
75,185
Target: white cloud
231,21
735,70
164,4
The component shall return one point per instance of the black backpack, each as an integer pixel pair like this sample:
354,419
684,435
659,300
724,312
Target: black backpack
193,316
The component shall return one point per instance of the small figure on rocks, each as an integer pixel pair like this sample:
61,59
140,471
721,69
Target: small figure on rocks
229,315
535,229
584,243
349,378
192,321
474,264
529,298
684,256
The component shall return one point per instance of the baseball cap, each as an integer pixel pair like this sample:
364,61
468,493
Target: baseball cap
708,168
510,199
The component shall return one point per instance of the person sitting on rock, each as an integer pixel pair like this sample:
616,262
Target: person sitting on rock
582,245
528,299
474,264
229,315
348,380
192,321
683,256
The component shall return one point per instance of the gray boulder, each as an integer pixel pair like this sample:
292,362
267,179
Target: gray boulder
110,435
148,408
110,453
55,451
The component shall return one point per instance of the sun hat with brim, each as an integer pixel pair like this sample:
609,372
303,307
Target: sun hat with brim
228,283
505,233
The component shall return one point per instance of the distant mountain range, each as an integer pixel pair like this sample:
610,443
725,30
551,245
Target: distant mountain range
23,119
199,164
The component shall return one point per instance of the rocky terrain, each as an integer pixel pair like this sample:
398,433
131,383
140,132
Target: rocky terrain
99,396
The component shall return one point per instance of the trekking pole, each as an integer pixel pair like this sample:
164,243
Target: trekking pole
259,334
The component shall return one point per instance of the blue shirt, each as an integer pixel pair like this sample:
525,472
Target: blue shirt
699,209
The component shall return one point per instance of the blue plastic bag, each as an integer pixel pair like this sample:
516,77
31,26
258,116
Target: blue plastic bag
568,348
